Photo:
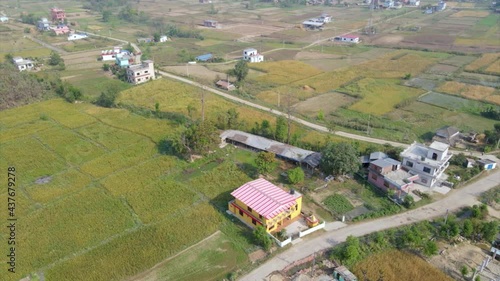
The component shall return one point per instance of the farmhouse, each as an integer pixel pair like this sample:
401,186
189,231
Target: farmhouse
210,23
57,14
4,19
60,29
205,1
429,163
226,85
107,55
487,164
260,202
76,36
326,18
367,159
205,57
449,135
415,3
349,38
140,73
163,38
252,55
124,59
23,64
441,6
313,24
293,154
387,174
145,40
43,24
388,4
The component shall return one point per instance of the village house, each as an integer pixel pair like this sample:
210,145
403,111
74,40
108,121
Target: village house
225,85
260,202
388,4
210,23
428,162
107,55
349,38
367,159
486,164
140,73
441,6
387,174
23,64
76,36
326,18
43,24
296,155
145,40
57,14
252,55
124,59
205,1
313,24
449,135
4,19
60,29
415,3
163,39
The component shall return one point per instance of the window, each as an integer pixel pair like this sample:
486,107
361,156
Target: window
241,213
260,216
409,164
427,170
138,73
374,177
249,209
254,222
271,227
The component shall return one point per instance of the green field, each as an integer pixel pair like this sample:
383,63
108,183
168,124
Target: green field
338,204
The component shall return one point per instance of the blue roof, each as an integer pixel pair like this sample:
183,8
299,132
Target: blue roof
204,57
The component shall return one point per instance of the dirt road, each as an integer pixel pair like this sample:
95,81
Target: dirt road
466,196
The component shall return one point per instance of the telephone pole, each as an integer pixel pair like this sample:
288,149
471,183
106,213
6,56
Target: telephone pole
203,104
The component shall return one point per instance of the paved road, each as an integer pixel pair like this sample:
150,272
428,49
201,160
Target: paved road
466,196
46,45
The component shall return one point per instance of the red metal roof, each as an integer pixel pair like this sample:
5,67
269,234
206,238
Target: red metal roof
264,198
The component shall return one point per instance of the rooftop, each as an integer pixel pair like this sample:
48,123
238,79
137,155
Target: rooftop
264,198
261,143
418,152
439,146
485,161
399,177
346,273
386,162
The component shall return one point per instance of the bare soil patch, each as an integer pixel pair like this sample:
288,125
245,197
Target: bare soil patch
388,39
453,258
306,55
257,255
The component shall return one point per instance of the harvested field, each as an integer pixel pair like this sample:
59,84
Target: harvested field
442,69
284,72
450,102
198,71
484,61
475,92
398,265
474,14
494,67
327,103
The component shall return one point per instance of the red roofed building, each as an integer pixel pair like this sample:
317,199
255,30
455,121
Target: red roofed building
57,14
260,202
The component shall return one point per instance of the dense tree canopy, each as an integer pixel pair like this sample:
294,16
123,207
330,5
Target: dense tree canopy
339,159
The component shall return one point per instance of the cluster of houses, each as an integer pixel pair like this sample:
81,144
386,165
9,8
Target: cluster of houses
162,39
317,23
58,26
137,71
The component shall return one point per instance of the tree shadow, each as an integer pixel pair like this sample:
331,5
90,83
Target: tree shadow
427,136
249,169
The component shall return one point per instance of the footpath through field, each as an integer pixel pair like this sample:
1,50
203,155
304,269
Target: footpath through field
465,196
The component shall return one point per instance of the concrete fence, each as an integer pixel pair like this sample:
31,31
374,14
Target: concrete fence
281,243
312,229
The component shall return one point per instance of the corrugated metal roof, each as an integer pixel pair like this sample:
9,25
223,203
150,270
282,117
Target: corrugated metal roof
264,198
261,143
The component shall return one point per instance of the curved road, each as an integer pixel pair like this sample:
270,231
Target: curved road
465,196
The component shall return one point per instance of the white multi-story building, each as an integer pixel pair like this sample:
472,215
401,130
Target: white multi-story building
428,162
140,73
252,55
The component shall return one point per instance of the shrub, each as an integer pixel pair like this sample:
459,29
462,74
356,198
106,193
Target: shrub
296,175
261,237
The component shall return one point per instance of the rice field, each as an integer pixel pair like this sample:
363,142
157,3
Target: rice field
474,92
93,191
284,72
483,62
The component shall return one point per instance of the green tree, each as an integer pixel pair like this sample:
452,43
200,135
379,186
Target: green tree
296,175
157,109
105,67
468,228
339,159
262,238
352,250
55,59
489,230
430,248
265,161
9,58
408,201
106,15
281,129
464,270
240,70
156,37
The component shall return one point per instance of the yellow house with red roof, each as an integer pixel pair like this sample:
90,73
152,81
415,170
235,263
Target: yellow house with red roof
260,202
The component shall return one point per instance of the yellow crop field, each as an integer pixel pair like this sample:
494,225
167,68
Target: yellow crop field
284,72
484,61
24,130
328,81
139,250
466,13
65,113
474,92
494,67
494,99
397,265
60,184
57,230
110,137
